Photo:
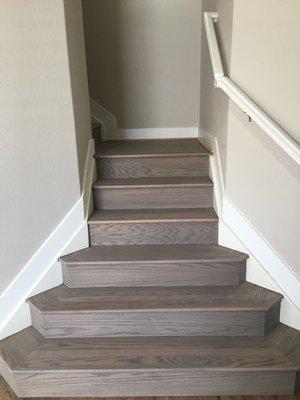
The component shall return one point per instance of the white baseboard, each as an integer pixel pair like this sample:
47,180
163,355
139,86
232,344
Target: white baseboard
215,170
110,131
264,267
259,275
262,251
42,271
108,120
155,133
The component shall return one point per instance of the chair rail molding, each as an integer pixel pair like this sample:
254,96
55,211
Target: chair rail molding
240,98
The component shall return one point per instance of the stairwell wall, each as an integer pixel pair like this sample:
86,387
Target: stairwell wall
261,50
143,61
44,131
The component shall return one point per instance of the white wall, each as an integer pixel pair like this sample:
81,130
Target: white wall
39,162
143,60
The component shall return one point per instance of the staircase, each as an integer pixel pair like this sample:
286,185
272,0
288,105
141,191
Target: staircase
155,307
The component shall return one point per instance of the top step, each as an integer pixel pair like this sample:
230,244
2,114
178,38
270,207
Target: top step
152,158
151,148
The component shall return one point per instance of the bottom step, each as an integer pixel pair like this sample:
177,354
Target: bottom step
151,366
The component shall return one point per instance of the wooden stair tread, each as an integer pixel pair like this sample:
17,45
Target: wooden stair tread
151,148
30,351
153,215
247,296
152,182
154,254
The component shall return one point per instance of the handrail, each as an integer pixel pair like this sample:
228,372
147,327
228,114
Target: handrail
262,119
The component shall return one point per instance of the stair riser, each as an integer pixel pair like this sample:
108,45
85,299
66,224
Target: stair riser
146,167
153,197
149,323
149,382
154,274
184,232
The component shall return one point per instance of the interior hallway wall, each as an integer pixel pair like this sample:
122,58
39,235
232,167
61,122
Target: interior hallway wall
262,55
79,82
143,60
39,170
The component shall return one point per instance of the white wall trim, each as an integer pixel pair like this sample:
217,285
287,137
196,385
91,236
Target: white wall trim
108,120
262,251
215,169
41,270
156,133
268,269
88,179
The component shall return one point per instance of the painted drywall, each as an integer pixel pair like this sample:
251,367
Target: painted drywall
214,103
265,57
143,60
260,54
78,75
39,170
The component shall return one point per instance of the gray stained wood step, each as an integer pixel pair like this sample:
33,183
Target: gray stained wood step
153,226
151,366
142,193
152,158
155,311
152,147
154,265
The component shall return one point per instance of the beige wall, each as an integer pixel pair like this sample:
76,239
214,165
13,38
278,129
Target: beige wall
143,60
78,75
263,57
214,103
38,158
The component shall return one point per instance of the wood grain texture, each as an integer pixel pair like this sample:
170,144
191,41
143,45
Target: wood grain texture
154,254
148,323
154,274
157,265
152,182
7,394
170,226
153,193
145,167
150,366
245,297
152,158
168,311
153,233
154,383
153,311
149,215
163,147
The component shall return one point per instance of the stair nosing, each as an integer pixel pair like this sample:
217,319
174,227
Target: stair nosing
125,183
164,261
234,256
153,155
18,365
135,308
156,310
203,218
